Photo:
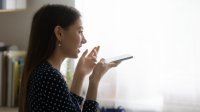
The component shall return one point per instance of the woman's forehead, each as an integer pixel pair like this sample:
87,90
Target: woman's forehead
78,24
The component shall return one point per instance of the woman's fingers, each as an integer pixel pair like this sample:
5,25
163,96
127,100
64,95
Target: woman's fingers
94,51
85,53
102,60
101,68
92,56
114,64
97,50
111,64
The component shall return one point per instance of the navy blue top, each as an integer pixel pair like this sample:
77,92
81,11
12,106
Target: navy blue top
48,92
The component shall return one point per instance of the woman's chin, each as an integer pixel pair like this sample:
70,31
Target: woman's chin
75,55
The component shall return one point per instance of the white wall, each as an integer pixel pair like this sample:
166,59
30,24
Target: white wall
15,26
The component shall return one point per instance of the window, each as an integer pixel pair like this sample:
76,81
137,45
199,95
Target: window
163,36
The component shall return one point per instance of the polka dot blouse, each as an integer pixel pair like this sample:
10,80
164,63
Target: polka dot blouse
48,92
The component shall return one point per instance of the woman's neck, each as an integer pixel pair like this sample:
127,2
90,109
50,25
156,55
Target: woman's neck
56,60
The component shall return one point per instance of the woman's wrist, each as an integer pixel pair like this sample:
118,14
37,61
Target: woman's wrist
79,74
93,82
92,91
77,83
95,78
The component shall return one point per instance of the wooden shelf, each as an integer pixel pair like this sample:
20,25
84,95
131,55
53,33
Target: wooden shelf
7,109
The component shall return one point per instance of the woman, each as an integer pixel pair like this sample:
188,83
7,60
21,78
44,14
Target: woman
56,34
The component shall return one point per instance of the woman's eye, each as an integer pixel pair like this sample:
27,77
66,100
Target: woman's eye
80,32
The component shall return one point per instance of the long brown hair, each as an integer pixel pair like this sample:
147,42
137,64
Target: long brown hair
42,41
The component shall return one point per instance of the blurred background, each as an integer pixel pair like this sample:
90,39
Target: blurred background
163,36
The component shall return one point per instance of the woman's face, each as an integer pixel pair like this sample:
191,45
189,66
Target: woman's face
73,39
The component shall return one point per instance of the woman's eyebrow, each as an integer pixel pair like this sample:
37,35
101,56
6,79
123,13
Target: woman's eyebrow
80,27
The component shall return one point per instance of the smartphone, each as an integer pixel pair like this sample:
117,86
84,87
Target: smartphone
119,58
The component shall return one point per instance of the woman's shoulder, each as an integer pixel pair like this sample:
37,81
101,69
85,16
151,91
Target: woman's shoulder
46,70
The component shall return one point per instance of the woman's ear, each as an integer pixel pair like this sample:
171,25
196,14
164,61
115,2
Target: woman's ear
58,30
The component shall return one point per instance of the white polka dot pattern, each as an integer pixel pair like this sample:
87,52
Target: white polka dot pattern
48,92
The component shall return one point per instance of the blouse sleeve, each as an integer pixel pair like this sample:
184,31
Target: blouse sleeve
89,105
77,98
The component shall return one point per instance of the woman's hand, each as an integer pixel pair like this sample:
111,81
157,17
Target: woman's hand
100,69
87,63
85,66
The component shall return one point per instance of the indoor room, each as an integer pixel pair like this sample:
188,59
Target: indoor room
161,36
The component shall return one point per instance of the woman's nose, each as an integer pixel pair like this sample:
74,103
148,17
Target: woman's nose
84,40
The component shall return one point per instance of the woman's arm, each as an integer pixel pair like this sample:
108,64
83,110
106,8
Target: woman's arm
100,69
92,91
77,83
